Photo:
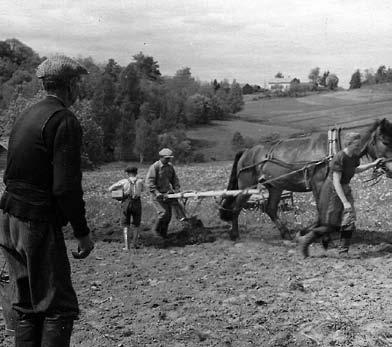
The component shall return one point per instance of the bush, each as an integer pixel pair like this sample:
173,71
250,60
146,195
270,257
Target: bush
199,157
237,141
178,143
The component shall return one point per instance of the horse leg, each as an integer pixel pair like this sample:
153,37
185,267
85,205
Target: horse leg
239,202
274,195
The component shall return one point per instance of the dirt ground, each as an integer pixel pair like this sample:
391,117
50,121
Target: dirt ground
201,289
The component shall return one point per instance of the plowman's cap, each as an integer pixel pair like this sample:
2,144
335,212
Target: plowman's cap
166,153
60,67
131,169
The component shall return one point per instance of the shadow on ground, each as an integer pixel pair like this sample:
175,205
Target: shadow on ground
191,232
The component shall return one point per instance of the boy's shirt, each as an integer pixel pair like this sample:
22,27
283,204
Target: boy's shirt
132,186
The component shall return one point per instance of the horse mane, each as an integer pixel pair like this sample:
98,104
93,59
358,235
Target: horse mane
374,126
386,128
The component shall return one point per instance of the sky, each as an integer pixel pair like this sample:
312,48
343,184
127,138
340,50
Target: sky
249,41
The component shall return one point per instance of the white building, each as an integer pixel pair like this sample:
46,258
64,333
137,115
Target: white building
282,84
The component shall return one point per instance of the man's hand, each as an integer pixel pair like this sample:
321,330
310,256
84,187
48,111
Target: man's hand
161,197
378,161
85,246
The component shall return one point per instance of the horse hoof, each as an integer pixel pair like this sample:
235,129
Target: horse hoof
234,236
286,235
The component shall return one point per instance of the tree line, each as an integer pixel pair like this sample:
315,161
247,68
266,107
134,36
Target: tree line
127,113
369,77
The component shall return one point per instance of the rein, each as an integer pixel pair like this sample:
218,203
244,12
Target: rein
270,159
304,168
307,165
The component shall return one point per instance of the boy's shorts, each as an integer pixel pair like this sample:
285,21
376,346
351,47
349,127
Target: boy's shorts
131,209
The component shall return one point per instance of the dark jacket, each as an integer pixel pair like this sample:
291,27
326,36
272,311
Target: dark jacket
43,175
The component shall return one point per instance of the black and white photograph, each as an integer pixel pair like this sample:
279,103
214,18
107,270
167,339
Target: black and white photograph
213,173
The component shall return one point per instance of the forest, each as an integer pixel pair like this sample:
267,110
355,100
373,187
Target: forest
127,112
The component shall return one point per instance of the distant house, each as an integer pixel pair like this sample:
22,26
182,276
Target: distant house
3,152
282,84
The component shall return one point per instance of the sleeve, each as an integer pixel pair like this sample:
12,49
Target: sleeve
151,180
175,182
337,162
116,185
67,174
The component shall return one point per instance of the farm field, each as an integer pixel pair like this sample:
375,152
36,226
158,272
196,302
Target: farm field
288,116
201,289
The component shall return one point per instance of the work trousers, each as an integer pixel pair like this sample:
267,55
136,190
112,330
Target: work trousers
164,211
39,269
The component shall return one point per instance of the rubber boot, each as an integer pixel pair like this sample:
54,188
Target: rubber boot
126,244
325,242
305,241
28,332
56,332
345,240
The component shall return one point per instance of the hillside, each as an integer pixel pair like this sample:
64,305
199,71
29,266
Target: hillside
287,116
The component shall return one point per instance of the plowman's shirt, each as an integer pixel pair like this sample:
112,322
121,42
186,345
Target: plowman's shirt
162,178
132,186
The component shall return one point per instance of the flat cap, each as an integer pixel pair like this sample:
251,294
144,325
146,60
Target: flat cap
166,153
60,67
131,169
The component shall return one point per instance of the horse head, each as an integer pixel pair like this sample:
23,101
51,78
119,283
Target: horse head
382,145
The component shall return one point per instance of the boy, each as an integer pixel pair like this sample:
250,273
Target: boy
131,205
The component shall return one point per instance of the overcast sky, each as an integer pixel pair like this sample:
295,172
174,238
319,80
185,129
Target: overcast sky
235,39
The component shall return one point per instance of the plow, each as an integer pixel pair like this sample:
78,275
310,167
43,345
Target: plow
257,201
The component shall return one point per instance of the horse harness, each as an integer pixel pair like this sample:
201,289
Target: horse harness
334,146
306,168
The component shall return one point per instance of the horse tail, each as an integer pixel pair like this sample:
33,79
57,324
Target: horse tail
226,208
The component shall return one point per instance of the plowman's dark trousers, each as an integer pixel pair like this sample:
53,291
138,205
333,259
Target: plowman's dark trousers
164,211
44,299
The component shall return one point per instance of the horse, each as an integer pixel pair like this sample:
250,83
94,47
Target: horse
298,164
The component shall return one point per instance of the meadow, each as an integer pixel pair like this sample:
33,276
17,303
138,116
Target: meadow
283,117
201,289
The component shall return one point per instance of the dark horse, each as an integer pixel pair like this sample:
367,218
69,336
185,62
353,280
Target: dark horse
298,165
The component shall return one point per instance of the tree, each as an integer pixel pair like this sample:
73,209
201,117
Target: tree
383,74
146,141
215,85
332,81
247,89
369,77
178,142
129,98
279,75
355,81
197,109
105,109
235,98
323,79
92,145
147,67
314,75
15,109
238,141
113,70
90,82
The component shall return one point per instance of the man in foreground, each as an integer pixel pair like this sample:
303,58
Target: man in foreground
43,193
